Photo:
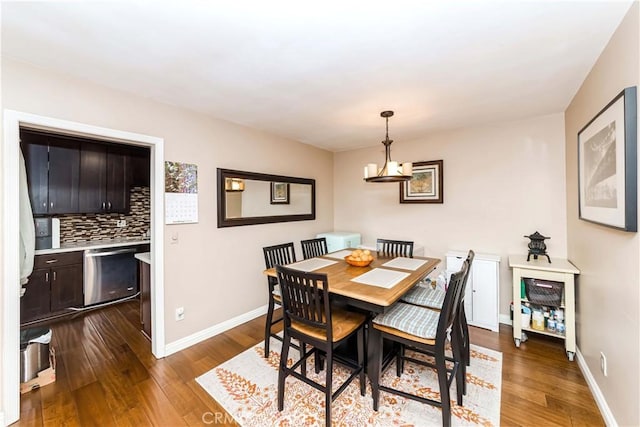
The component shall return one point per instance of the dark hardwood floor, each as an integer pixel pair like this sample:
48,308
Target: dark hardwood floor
106,376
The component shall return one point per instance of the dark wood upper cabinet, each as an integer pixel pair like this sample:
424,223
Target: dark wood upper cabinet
53,165
105,177
67,174
140,166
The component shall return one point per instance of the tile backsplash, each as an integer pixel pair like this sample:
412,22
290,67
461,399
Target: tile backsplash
85,227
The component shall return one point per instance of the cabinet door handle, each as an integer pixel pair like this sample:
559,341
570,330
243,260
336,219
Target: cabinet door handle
51,204
51,261
104,205
54,276
44,205
109,205
46,276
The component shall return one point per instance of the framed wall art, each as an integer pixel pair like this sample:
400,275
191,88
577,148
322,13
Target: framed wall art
426,184
607,164
279,193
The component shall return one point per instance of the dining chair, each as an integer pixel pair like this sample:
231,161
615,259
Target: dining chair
427,331
310,317
386,247
433,298
275,255
314,247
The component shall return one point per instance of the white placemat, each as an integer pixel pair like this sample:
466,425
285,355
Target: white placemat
311,264
381,277
339,254
405,263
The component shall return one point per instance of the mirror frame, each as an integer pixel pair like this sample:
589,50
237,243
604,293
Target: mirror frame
223,221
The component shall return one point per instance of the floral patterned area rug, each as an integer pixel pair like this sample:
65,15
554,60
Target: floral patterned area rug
247,385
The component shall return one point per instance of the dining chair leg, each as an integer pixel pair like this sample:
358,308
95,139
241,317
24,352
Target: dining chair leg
457,343
267,327
318,361
303,366
445,400
361,353
282,372
328,386
465,352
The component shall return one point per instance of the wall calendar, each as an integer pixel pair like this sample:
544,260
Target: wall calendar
180,193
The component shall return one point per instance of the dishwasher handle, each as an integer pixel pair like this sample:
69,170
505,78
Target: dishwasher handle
91,254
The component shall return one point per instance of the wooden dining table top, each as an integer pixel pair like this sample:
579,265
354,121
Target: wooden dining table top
370,297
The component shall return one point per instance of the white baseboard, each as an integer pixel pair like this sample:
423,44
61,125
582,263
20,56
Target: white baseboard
214,330
505,318
605,411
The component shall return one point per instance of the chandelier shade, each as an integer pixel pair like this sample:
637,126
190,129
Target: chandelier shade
391,171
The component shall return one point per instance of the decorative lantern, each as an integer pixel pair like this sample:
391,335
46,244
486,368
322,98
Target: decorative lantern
537,246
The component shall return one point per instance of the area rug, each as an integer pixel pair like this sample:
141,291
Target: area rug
247,385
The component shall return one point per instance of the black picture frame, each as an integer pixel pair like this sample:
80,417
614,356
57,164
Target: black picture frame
607,165
279,193
426,184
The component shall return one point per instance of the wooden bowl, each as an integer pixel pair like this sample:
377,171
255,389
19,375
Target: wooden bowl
357,263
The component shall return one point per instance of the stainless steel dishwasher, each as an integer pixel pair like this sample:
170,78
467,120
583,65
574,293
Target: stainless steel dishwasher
110,273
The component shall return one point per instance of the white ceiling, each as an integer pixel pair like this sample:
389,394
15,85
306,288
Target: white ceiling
321,72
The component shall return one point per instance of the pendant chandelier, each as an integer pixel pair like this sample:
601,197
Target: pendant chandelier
391,171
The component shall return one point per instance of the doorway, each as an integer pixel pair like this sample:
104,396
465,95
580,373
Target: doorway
13,120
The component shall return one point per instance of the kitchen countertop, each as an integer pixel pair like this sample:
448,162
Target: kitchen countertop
144,257
94,244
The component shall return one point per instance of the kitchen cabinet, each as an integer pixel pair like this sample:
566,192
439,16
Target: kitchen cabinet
558,270
482,295
140,166
105,178
144,274
54,286
53,172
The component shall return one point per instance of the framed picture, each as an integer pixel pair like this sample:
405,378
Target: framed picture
426,184
607,165
279,193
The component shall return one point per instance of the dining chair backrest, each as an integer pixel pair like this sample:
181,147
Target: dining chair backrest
386,247
304,299
468,261
450,306
314,247
282,254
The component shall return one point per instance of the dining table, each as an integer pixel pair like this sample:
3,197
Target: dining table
374,288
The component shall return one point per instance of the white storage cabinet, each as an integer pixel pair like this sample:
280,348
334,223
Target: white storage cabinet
482,295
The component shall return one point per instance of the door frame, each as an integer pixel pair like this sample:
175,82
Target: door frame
13,120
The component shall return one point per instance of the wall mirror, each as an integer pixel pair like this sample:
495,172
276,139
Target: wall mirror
246,198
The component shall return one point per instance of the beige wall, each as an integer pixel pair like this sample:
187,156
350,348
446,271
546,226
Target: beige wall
215,274
501,182
608,298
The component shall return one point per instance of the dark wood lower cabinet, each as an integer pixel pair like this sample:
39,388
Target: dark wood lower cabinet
54,286
66,287
36,301
144,270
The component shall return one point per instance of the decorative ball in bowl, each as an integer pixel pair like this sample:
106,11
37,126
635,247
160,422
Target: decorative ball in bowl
359,258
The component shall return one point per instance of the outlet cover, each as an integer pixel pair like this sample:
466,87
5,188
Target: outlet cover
603,364
180,313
